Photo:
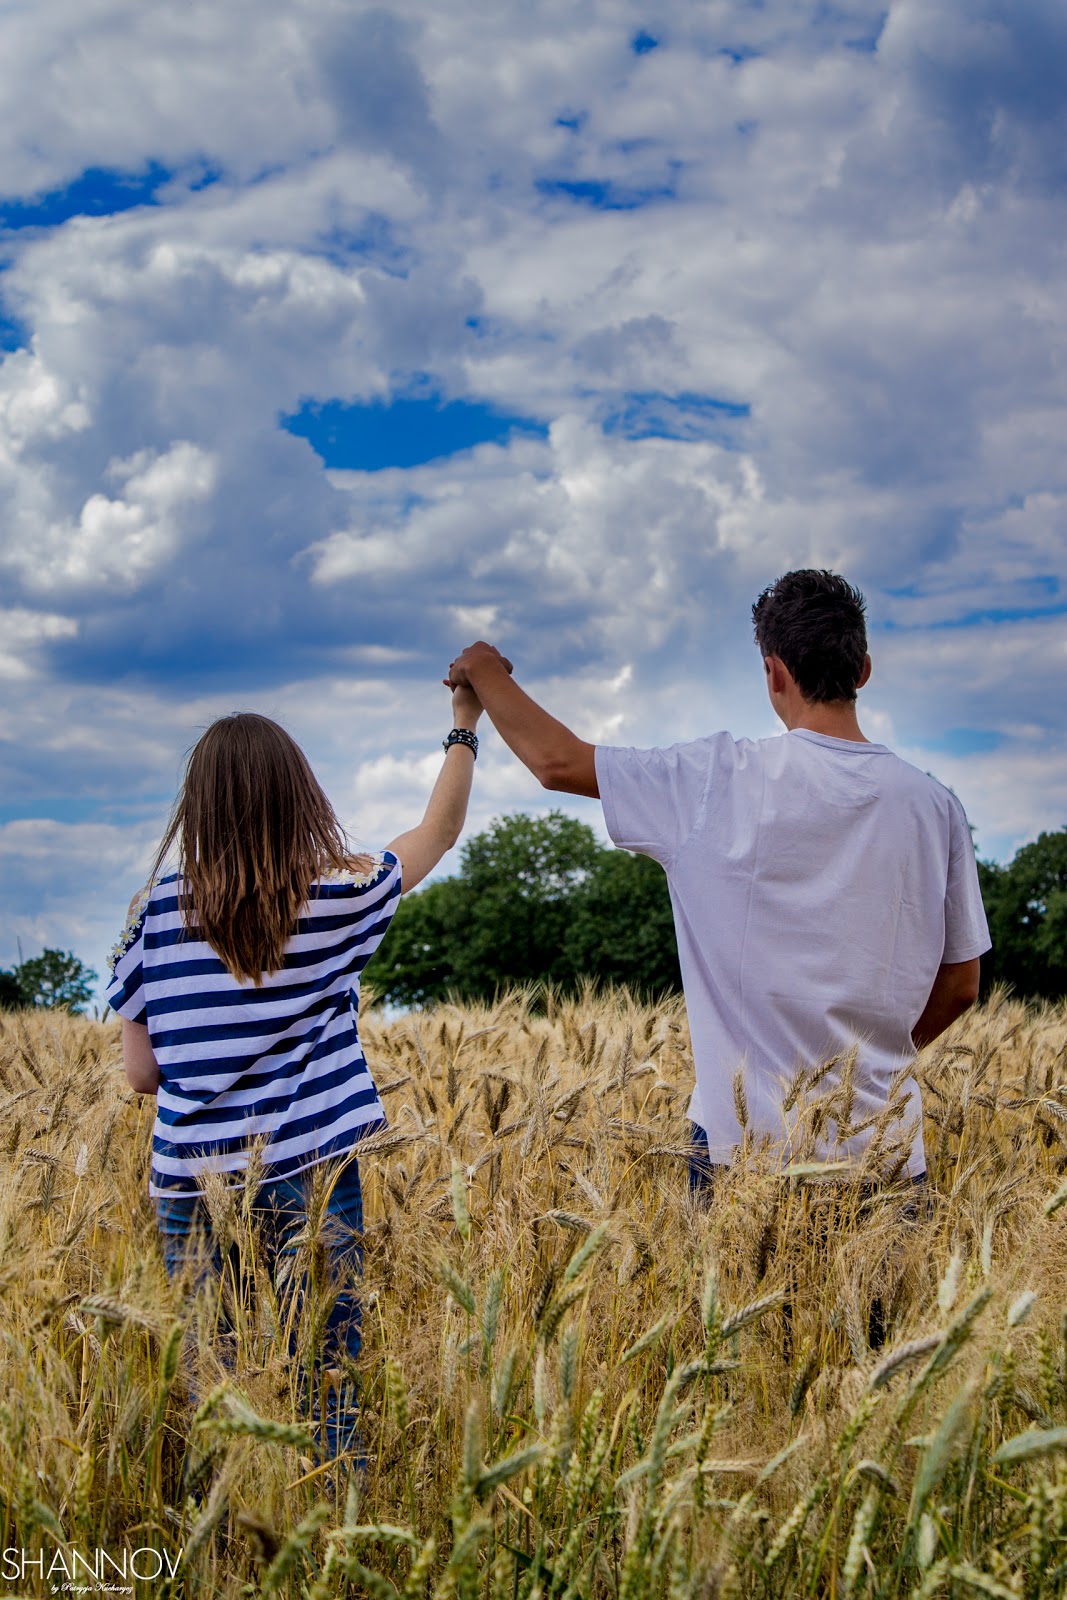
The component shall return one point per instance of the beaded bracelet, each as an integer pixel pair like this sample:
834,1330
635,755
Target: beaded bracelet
462,736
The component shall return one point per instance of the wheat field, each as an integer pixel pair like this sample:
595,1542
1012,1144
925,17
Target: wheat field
574,1382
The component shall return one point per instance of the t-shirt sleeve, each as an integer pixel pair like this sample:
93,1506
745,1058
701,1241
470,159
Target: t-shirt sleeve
654,799
125,993
966,928
377,895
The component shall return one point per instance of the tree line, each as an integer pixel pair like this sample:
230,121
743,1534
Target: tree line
1026,903
536,899
542,900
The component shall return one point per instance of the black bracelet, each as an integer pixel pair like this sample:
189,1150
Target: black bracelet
462,736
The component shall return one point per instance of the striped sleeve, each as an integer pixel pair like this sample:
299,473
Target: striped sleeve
125,993
377,895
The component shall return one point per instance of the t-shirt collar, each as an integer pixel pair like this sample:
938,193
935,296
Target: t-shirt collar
867,748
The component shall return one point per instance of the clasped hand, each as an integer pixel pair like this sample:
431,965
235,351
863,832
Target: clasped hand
465,701
468,659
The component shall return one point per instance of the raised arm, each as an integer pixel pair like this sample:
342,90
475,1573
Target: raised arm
421,848
557,757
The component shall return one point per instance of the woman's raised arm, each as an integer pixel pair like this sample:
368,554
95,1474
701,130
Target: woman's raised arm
421,848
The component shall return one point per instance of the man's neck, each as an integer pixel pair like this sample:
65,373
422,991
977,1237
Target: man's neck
835,721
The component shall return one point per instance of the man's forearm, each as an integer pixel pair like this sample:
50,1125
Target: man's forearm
554,754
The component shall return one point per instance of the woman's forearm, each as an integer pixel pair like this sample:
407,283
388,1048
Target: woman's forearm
446,809
421,848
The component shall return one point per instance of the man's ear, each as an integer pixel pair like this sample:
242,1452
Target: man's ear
775,669
865,674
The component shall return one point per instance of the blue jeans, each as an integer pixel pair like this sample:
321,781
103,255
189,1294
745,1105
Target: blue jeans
280,1209
702,1171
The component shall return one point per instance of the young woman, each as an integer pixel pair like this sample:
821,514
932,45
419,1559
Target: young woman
237,981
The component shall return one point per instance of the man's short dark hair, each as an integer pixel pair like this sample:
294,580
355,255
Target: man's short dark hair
813,621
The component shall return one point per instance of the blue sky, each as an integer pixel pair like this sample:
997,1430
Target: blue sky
333,338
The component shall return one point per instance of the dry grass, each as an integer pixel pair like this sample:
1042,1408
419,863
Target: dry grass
574,1383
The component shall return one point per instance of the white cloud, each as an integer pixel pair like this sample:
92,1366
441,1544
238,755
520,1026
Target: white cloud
21,634
99,84
470,620
605,540
36,403
64,886
121,541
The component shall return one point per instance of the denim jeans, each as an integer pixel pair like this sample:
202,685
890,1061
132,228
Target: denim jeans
702,1170
280,1211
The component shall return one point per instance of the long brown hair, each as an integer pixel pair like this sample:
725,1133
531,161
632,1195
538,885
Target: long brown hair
254,831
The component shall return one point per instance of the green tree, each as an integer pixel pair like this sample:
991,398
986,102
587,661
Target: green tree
11,995
1026,903
527,906
55,980
417,962
521,876
621,927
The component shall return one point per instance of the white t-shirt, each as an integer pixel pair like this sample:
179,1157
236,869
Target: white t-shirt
817,886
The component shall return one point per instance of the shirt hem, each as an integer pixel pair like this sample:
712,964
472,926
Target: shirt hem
236,1180
972,952
724,1156
607,800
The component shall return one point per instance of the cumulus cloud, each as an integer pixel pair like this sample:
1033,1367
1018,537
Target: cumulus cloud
121,540
22,633
378,91
573,547
36,404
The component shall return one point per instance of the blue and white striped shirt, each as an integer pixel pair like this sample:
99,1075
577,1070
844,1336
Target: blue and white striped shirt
282,1063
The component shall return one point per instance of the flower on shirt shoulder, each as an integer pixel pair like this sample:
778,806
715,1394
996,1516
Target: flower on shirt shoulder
134,918
363,869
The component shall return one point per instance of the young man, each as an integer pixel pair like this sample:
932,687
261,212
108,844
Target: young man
825,892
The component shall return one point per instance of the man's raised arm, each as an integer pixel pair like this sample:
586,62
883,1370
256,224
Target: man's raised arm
557,757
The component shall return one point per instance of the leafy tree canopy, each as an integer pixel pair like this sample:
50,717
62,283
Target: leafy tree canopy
535,899
1026,903
54,980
